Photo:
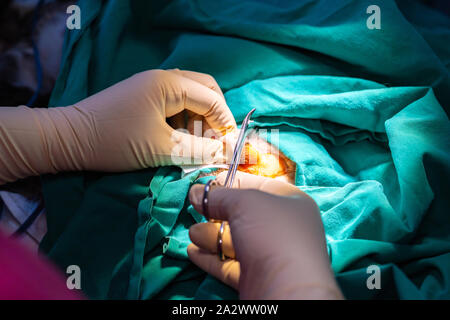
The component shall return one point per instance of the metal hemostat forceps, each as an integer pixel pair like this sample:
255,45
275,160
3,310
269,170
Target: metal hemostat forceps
229,179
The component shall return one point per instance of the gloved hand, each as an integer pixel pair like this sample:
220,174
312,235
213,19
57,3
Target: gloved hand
118,129
277,246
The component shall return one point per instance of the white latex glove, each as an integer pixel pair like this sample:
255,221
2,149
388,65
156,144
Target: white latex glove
118,129
277,245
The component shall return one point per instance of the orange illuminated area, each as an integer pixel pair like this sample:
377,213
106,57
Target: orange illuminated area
262,164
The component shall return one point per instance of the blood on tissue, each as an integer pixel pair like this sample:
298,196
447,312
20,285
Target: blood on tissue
262,163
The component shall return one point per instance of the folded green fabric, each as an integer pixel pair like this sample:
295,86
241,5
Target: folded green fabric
362,113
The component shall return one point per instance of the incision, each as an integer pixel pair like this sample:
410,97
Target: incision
263,159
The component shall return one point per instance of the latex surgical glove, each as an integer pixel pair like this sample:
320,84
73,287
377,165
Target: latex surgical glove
275,240
121,128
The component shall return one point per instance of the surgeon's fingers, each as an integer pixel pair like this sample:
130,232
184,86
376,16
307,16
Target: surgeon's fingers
183,93
186,149
206,80
205,236
227,271
203,78
223,203
250,181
